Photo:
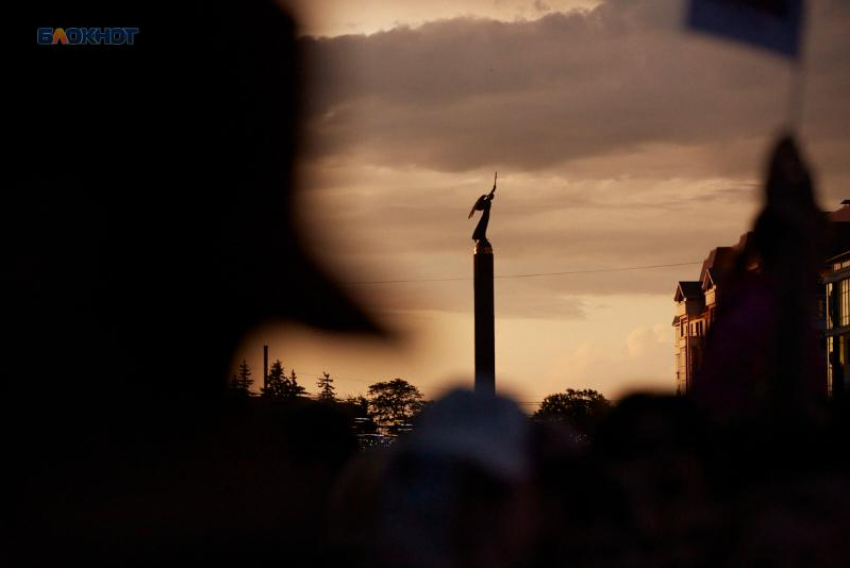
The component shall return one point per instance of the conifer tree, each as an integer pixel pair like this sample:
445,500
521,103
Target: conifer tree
240,383
274,381
326,389
292,389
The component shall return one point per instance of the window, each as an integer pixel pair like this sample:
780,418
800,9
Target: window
831,305
838,304
830,362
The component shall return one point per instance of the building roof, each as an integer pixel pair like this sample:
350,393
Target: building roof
720,260
711,278
687,290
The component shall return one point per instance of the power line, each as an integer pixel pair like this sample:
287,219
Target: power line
333,376
349,379
529,274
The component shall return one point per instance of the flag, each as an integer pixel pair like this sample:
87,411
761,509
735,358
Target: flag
776,25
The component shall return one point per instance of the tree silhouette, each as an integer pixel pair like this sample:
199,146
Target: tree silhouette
292,389
393,404
240,383
325,385
281,387
274,381
360,404
581,410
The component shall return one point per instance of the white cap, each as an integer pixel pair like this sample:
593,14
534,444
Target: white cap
486,430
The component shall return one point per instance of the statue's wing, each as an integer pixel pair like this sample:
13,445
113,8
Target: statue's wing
478,206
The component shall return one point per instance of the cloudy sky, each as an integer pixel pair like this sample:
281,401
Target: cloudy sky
621,140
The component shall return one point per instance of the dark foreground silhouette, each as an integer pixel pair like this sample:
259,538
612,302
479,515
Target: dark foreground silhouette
146,227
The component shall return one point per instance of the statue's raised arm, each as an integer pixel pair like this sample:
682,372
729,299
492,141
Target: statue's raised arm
483,204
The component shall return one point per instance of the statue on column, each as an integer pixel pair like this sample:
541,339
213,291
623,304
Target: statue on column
483,204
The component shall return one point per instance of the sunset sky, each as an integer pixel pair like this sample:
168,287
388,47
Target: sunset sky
621,140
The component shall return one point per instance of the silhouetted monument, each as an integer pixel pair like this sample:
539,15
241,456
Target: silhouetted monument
485,332
483,204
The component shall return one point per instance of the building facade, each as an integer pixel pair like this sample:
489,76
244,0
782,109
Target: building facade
836,281
696,312
697,302
836,304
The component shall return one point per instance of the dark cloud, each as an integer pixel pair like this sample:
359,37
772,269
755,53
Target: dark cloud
621,141
459,94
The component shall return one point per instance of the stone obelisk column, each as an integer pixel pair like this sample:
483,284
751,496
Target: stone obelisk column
485,327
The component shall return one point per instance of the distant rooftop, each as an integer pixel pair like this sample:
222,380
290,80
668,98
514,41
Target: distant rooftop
719,260
688,290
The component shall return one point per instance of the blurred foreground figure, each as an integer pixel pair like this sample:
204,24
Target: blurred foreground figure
771,456
457,493
147,225
763,357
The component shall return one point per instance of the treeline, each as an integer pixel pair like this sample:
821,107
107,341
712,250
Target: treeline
390,407
277,385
